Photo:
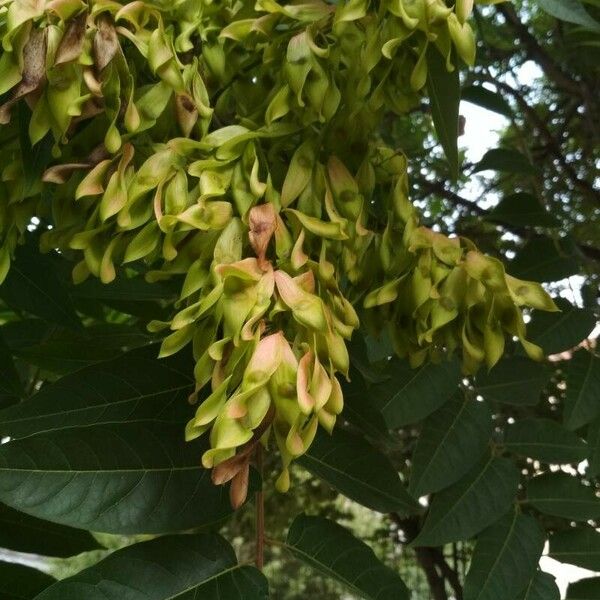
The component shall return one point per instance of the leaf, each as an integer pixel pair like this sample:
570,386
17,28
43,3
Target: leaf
523,210
335,552
370,356
134,387
505,161
359,471
132,289
25,333
561,331
545,440
23,533
584,589
582,373
444,100
21,583
450,444
471,504
33,286
179,566
411,395
593,438
577,546
482,96
571,11
125,478
562,495
35,158
63,351
11,388
541,587
505,558
543,259
359,408
514,380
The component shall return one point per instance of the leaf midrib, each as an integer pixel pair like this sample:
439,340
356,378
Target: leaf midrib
459,500
92,407
359,482
499,556
450,429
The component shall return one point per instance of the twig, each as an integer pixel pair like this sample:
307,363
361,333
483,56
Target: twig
260,513
426,557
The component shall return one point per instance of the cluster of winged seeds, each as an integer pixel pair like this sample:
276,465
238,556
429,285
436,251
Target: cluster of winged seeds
235,144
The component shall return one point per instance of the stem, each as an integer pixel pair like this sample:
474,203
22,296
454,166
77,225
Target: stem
260,513
431,560
426,560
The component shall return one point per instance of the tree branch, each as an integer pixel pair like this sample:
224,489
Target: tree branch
430,187
552,143
536,53
260,514
432,561
435,187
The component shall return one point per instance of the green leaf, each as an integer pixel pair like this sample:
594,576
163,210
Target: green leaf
134,387
541,587
505,161
444,99
359,471
370,356
505,558
359,408
179,566
63,351
582,374
21,583
335,552
132,289
545,440
11,388
450,444
35,158
523,210
482,96
593,438
514,380
543,259
33,286
125,478
571,11
577,546
25,333
561,331
471,504
23,533
585,589
562,495
411,395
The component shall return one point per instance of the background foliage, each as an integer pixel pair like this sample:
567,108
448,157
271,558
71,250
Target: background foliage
505,460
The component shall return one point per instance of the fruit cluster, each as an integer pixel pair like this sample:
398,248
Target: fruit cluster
237,145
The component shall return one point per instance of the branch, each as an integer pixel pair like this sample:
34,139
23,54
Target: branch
435,187
536,53
260,514
450,574
428,559
430,187
552,142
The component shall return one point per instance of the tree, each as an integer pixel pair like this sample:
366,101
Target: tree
213,277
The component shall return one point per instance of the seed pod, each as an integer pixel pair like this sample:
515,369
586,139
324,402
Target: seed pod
463,39
463,9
